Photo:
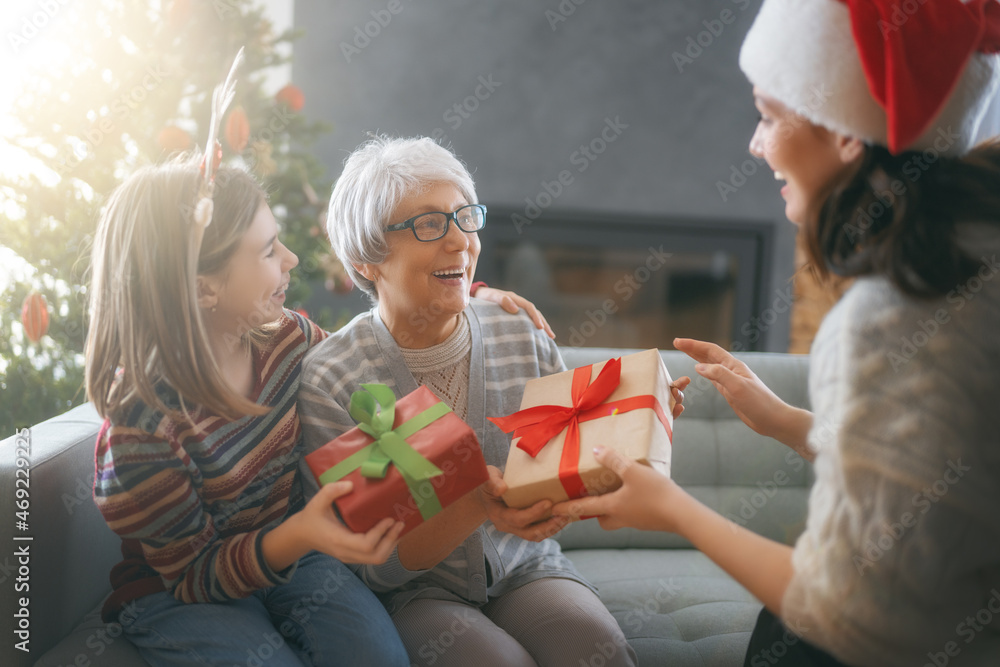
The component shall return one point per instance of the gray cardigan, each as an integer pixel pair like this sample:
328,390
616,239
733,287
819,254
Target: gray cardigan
489,562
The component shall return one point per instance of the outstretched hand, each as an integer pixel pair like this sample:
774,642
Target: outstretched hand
534,523
752,401
323,530
512,302
647,499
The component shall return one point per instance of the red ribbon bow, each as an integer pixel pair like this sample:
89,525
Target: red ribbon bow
536,426
913,53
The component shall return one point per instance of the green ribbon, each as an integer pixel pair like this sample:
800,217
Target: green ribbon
390,446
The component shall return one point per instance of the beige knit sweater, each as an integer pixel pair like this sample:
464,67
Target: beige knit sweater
900,560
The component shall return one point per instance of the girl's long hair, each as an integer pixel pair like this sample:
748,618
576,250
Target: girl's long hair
146,331
897,216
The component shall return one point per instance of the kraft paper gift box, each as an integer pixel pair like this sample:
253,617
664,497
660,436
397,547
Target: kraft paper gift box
408,460
623,404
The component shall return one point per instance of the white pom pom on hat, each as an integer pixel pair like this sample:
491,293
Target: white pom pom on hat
906,74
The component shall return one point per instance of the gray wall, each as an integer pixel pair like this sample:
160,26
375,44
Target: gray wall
553,84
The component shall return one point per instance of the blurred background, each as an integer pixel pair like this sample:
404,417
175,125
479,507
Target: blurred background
608,139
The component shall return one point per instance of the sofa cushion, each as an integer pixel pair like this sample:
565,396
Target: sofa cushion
93,642
675,606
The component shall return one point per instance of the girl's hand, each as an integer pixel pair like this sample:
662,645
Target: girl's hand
512,302
534,523
751,400
323,531
646,500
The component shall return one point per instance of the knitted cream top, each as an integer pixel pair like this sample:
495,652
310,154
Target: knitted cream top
900,558
444,367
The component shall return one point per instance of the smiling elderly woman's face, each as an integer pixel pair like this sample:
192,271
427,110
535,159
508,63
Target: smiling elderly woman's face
424,285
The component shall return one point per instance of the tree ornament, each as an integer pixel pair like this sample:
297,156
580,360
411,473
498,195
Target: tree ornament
35,316
237,130
173,139
291,96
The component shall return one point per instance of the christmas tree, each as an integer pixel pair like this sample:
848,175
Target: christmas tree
133,87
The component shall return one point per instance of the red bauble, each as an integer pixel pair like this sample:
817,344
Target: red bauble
237,130
173,139
291,96
35,316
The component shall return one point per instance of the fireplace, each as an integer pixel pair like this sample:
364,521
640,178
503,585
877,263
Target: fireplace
606,280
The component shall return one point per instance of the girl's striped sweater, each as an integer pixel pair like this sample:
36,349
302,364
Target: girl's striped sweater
192,502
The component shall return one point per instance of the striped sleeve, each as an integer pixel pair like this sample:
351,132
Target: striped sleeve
147,490
313,332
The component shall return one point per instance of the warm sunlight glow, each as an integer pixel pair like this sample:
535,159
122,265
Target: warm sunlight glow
30,31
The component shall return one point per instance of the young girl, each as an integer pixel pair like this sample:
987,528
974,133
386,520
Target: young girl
195,365
899,563
196,462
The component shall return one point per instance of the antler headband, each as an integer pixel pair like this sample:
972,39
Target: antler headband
222,96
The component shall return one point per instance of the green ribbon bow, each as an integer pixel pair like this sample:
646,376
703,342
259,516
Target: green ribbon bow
390,446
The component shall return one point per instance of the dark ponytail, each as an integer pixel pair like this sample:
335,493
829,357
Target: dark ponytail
897,214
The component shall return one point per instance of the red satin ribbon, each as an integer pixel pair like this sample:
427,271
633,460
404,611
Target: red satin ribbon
536,426
914,51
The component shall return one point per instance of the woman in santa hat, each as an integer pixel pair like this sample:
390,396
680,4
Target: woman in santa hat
869,114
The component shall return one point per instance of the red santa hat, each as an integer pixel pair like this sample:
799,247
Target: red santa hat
900,73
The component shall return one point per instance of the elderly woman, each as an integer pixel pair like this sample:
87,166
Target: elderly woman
478,584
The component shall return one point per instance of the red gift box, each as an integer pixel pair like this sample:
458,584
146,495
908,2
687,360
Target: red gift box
448,443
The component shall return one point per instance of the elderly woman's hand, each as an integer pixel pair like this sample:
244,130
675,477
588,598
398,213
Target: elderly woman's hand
512,302
534,523
677,388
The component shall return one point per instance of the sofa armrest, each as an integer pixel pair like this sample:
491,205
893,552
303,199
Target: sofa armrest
71,550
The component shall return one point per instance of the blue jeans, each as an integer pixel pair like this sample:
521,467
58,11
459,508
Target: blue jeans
324,616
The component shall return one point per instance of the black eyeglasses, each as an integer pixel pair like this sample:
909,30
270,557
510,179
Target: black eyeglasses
433,226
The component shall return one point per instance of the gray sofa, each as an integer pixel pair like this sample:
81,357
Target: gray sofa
675,606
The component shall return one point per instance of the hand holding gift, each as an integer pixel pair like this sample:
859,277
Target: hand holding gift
534,523
406,459
626,404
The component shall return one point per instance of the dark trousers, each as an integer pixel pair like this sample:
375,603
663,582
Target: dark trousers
774,645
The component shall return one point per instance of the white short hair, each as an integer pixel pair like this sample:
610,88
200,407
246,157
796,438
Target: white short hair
377,177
